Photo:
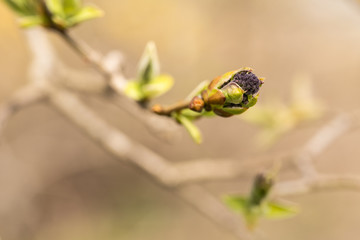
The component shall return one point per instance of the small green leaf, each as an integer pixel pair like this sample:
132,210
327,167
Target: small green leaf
190,127
23,7
71,7
86,13
56,8
149,66
158,86
238,204
133,90
272,210
30,21
14,6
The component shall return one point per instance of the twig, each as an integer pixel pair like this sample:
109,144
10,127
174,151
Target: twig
166,111
321,182
311,179
161,127
323,138
87,54
201,170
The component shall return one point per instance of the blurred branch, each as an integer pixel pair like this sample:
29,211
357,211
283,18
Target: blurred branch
322,139
311,179
200,170
20,99
161,127
320,182
89,55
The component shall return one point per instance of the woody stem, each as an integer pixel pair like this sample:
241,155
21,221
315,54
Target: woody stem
167,110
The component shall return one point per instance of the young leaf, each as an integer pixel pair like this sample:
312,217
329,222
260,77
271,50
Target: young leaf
158,86
84,14
273,210
56,8
190,127
30,21
238,204
133,90
23,7
14,6
71,7
149,66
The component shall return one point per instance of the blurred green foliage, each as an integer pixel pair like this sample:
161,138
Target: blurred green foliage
59,14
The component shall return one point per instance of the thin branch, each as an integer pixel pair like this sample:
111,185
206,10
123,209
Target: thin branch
321,182
322,139
166,111
90,56
311,179
201,170
164,128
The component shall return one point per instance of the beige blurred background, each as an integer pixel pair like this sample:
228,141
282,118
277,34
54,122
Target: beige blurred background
57,184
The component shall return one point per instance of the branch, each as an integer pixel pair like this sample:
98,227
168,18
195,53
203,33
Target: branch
322,139
201,170
321,182
20,99
161,127
166,111
311,179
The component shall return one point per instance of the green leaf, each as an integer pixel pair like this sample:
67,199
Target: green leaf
71,7
149,66
133,90
23,7
158,86
238,204
56,8
190,127
272,210
30,21
86,13
14,6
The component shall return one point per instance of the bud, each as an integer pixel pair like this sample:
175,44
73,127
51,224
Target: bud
232,93
196,104
261,188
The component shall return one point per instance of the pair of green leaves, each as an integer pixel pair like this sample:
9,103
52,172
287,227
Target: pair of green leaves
256,205
61,14
149,83
252,213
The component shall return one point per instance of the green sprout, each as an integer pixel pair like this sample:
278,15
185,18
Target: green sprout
149,83
53,14
257,205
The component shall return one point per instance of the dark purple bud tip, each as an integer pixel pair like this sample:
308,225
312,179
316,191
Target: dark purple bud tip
248,81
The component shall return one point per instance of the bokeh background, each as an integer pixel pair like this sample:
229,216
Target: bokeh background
57,184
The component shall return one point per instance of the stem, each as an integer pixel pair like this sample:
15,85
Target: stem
166,111
88,55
